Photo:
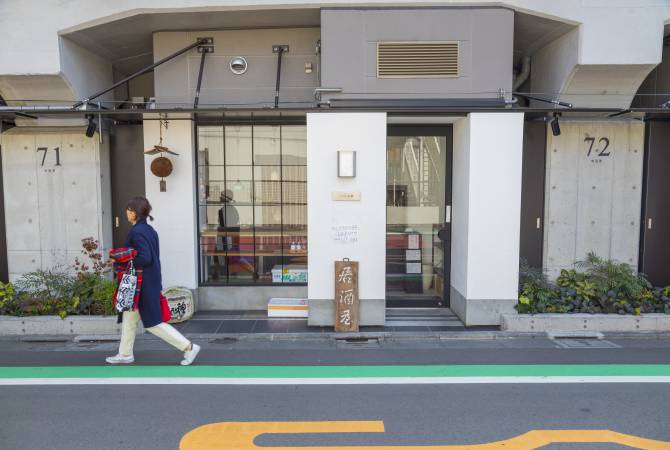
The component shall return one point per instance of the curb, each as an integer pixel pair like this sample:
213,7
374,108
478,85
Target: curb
55,326
603,323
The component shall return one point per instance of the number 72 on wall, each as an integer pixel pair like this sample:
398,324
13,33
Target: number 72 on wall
46,150
602,140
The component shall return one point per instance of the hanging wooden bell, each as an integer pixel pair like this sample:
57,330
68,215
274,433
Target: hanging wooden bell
162,168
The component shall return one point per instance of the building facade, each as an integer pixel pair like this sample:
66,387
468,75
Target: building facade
435,144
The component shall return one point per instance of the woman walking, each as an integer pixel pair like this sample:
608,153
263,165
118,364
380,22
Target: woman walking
144,240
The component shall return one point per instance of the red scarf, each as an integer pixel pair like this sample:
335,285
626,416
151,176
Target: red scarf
122,257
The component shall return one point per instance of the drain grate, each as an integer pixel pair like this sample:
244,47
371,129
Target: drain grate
357,343
585,343
223,341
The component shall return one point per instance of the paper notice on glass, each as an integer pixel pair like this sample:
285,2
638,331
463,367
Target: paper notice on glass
413,268
413,241
345,234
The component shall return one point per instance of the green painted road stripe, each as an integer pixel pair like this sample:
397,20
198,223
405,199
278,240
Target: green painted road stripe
316,372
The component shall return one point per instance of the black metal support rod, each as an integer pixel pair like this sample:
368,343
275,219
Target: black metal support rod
279,53
544,100
138,73
197,89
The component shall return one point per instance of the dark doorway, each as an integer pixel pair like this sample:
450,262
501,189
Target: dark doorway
532,191
127,170
4,269
418,216
655,234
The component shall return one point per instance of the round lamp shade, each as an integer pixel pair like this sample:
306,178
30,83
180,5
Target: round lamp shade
161,167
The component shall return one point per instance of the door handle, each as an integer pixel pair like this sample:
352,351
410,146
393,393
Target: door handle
116,221
447,214
649,223
538,223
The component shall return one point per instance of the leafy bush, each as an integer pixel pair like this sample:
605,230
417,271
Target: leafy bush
7,299
600,286
83,289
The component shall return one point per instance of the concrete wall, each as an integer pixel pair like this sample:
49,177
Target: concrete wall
349,46
86,72
49,207
485,216
593,202
174,210
364,133
176,81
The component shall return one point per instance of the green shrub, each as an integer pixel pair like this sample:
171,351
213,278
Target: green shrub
599,286
8,304
83,289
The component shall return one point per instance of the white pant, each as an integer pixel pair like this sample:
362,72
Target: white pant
164,331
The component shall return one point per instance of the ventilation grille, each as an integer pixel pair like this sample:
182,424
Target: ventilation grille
417,59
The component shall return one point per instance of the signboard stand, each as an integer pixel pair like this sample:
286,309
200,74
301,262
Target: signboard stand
346,296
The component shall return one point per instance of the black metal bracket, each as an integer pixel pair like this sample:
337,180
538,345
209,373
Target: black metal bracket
207,45
279,49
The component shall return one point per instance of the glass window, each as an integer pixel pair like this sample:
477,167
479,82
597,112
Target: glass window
267,145
252,204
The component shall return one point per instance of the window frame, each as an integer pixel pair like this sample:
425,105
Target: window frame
222,121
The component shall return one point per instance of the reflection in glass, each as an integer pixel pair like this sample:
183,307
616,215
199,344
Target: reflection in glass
252,204
416,176
267,149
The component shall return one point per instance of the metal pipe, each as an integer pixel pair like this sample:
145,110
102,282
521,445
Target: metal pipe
197,89
523,75
138,73
544,100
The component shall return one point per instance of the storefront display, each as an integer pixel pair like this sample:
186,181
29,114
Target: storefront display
252,203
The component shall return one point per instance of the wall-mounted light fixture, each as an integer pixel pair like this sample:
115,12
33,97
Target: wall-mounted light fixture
346,164
238,65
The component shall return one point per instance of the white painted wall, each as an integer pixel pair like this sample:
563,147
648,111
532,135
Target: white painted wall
174,211
364,133
486,215
593,202
49,209
614,32
460,199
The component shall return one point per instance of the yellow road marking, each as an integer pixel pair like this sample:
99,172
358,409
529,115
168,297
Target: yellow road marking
241,436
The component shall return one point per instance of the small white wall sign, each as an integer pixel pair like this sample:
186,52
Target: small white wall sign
340,196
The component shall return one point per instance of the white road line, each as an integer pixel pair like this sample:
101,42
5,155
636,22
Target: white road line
332,381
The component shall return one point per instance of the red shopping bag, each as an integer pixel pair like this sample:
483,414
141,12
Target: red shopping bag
166,314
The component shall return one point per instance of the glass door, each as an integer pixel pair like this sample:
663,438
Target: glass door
418,199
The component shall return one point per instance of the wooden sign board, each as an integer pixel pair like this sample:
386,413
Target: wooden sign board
346,296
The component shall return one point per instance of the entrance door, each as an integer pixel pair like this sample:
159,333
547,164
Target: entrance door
127,171
655,243
418,216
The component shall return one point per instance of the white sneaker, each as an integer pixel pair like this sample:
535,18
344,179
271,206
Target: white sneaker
189,355
120,359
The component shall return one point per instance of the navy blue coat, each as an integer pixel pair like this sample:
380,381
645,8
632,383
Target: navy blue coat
143,238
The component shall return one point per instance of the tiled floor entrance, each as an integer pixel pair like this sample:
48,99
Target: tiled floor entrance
397,320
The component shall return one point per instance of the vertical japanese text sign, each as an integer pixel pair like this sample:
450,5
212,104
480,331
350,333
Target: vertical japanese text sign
346,296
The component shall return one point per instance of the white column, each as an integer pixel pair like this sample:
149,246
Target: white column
174,211
485,220
364,133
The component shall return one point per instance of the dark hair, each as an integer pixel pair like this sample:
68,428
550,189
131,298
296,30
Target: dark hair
141,207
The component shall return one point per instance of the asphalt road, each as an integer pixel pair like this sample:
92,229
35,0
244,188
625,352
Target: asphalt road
406,415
